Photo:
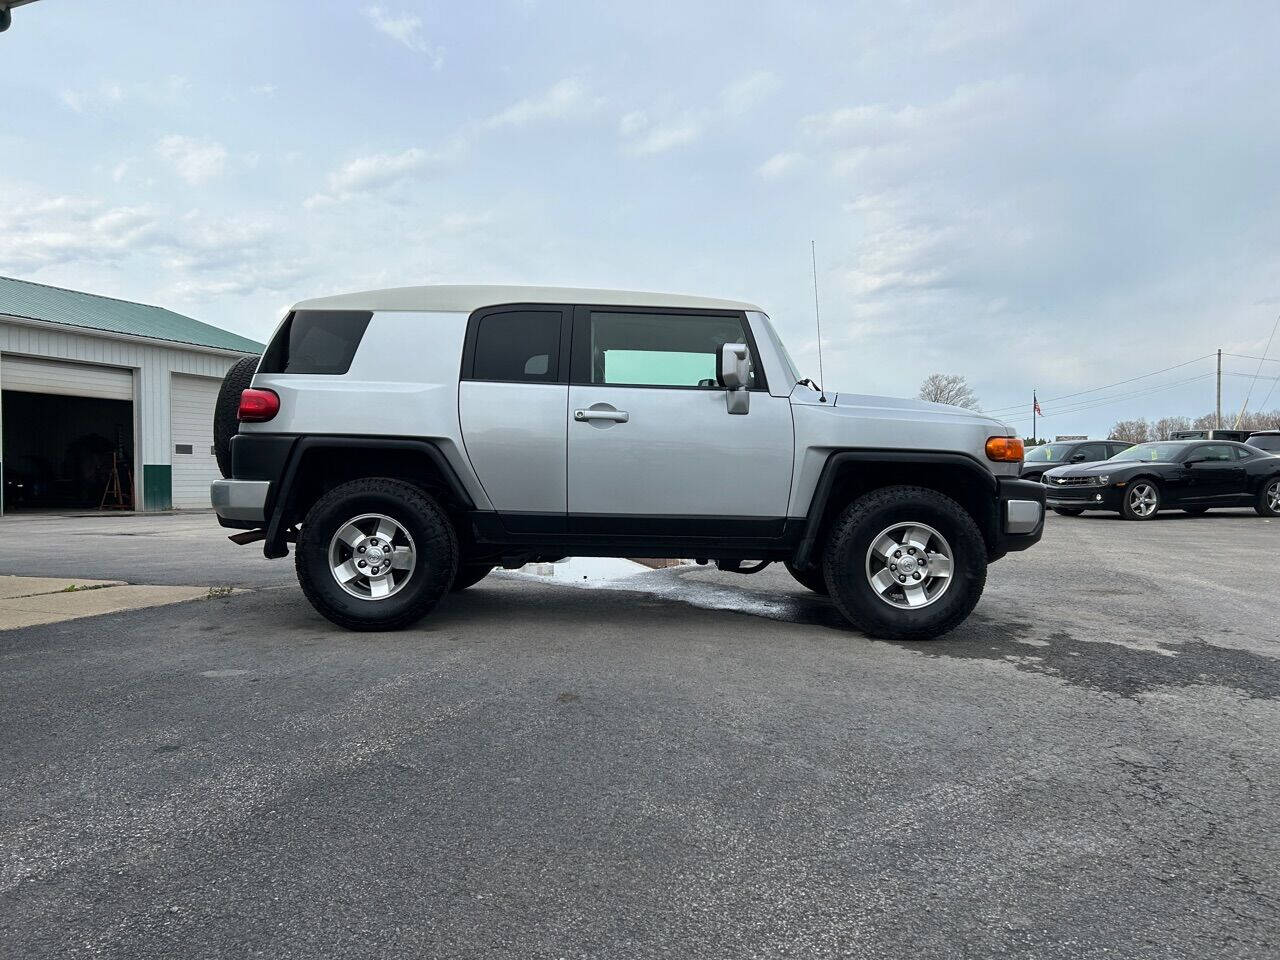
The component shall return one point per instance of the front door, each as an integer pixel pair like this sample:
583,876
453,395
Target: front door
653,449
1215,476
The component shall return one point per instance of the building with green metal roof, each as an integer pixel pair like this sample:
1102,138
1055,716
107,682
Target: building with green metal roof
106,403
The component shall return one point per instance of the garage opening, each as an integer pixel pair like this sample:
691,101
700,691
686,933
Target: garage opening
59,451
65,425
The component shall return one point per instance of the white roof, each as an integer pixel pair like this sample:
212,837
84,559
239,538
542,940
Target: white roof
464,299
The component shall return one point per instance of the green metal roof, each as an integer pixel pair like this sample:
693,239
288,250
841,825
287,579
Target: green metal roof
35,301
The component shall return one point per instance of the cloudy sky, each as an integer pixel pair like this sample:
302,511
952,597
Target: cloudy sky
1032,195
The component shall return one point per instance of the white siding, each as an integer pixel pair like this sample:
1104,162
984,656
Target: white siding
152,365
66,379
191,401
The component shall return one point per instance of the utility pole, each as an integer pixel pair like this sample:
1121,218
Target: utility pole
1217,421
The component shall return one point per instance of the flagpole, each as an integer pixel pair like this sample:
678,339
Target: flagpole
1035,405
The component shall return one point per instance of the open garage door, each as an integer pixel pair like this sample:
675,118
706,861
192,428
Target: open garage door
66,425
191,401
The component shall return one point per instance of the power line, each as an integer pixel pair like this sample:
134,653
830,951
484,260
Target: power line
1246,356
1261,360
1095,402
1119,383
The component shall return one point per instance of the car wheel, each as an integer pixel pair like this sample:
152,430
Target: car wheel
1141,501
1068,511
1195,511
905,563
469,574
226,422
376,554
1268,504
812,577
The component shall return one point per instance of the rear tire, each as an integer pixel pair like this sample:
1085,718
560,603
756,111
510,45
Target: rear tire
1068,511
469,575
812,577
933,526
1268,504
226,423
421,526
1141,500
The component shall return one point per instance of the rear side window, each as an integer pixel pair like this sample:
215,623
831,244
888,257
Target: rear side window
516,346
316,341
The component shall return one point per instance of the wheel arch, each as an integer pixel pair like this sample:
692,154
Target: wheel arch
848,474
318,463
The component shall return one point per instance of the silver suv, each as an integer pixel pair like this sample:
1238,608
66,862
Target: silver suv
409,441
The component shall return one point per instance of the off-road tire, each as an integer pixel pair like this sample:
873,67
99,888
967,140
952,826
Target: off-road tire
812,577
225,422
1128,512
1263,504
433,535
469,574
1068,511
846,556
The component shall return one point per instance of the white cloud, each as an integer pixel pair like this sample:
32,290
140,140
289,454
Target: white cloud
109,94
195,161
741,95
779,164
647,138
375,171
564,100
405,29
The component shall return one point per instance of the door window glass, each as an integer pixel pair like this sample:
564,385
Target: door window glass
521,346
1215,452
1091,452
657,350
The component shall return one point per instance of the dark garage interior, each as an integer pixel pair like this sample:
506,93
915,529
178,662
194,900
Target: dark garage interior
58,450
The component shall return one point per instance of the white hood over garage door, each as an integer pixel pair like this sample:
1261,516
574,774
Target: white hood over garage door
66,379
191,402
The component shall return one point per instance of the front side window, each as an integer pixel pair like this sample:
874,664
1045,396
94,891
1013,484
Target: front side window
655,349
1214,452
517,346
1045,453
1091,452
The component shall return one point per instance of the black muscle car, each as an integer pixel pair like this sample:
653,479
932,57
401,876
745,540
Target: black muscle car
1191,475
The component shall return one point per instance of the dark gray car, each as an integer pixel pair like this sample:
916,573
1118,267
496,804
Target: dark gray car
1050,455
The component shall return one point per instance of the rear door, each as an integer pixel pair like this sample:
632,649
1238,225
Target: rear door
512,398
653,449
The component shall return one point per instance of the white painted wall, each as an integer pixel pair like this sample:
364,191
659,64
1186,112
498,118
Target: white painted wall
153,363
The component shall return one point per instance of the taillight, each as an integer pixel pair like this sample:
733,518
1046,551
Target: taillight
257,405
1004,449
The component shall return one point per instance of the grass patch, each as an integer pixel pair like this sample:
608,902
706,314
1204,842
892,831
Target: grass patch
216,593
77,588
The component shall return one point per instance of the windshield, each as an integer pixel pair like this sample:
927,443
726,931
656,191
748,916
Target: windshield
760,322
1046,452
1151,452
1269,443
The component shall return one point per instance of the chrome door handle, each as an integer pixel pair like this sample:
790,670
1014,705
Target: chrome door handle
617,416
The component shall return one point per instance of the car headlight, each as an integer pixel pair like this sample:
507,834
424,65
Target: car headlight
1102,480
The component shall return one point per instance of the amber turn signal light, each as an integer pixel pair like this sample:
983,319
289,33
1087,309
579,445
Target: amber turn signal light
1004,449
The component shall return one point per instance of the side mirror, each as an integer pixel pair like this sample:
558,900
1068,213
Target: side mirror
1078,458
733,375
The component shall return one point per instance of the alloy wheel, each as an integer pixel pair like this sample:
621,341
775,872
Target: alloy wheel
909,565
1143,499
1273,496
372,556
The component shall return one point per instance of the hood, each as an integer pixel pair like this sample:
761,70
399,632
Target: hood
1094,469
918,409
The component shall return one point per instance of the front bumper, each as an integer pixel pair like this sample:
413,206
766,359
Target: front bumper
1083,497
240,503
1021,514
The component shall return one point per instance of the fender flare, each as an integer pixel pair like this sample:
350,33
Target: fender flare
837,460
274,546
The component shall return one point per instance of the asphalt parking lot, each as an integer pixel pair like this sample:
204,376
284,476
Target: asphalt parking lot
699,764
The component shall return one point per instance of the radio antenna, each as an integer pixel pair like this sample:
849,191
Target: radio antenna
817,318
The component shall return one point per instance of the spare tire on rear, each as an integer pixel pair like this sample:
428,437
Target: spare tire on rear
225,421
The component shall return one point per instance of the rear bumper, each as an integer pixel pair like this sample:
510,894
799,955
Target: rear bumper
1021,514
240,502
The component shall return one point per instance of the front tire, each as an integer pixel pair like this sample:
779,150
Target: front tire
1141,501
812,577
469,574
1268,504
376,554
905,563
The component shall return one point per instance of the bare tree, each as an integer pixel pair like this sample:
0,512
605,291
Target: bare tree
949,388
1133,431
1162,428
